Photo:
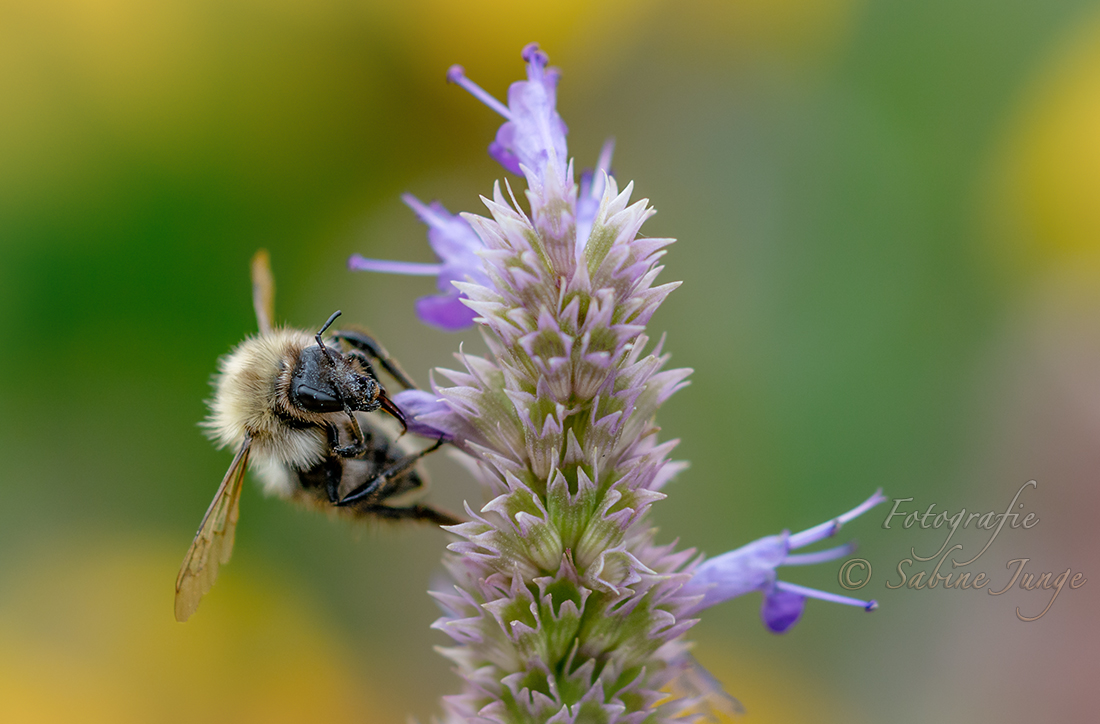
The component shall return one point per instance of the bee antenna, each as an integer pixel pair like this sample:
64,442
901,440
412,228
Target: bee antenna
328,324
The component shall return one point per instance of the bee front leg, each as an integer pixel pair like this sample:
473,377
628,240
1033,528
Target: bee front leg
358,444
334,473
363,345
382,485
364,360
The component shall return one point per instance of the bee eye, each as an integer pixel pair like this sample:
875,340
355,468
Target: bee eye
313,399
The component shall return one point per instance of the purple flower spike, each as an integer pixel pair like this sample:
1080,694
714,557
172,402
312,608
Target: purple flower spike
753,568
457,245
563,607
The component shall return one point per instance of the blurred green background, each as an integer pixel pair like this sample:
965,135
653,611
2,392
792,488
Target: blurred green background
889,225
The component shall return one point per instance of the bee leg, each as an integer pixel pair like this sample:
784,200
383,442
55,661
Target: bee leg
334,473
358,444
363,360
415,512
380,486
366,345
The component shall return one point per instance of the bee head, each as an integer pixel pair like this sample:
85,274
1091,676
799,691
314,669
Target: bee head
324,381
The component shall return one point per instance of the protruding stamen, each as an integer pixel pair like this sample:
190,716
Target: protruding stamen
829,528
863,507
807,559
457,74
409,268
424,212
533,54
822,595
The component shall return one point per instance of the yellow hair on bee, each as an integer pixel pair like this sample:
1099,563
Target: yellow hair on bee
250,398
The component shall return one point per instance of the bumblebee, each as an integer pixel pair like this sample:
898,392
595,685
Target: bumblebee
296,410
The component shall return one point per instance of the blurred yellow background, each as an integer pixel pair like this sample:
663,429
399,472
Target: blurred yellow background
889,224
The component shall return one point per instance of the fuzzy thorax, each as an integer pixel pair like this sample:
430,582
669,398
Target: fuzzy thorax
251,397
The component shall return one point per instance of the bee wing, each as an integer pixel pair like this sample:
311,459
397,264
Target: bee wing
213,543
263,290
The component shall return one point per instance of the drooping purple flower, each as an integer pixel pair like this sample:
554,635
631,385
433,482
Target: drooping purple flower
532,140
425,414
753,568
457,246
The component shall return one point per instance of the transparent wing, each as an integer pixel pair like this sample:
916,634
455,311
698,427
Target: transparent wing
263,290
213,543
